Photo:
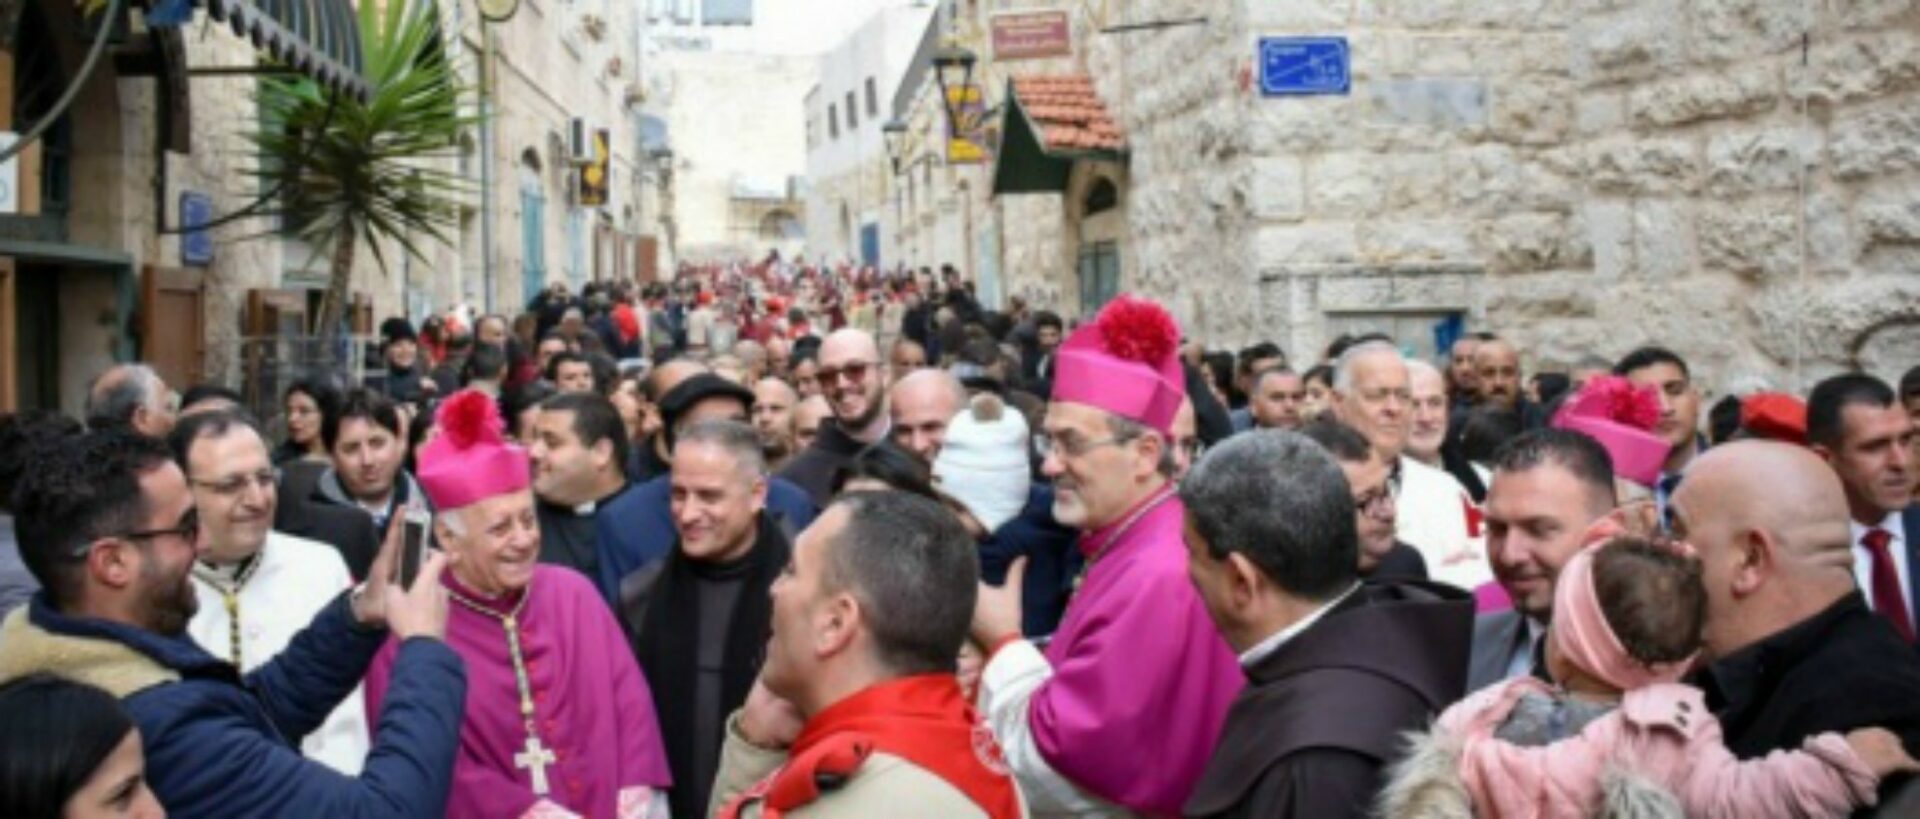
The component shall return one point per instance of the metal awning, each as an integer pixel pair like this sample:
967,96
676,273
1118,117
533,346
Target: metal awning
318,38
1049,124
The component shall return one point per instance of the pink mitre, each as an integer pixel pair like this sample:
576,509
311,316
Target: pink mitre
1621,416
471,460
1127,362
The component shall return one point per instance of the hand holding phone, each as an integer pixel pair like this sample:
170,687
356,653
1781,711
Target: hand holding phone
415,540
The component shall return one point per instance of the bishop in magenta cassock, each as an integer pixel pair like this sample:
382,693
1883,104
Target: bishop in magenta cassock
559,721
1122,709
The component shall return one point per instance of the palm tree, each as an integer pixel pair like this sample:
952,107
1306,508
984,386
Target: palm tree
351,170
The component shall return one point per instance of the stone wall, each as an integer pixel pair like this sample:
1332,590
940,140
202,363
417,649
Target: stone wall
1735,179
1750,189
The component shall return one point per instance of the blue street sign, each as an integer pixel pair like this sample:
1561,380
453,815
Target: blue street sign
1294,66
196,243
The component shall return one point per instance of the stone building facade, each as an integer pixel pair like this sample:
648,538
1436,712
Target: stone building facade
848,160
1733,178
739,159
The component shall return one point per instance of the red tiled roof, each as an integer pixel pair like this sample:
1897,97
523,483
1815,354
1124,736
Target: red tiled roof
1068,113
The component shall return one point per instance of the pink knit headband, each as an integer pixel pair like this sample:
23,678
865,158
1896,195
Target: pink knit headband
1581,634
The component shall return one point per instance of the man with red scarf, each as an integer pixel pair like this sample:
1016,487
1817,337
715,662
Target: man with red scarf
857,712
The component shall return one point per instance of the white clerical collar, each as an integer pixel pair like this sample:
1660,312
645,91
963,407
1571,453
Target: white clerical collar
1266,648
586,509
1893,523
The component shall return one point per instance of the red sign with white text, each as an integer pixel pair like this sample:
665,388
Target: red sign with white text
1032,34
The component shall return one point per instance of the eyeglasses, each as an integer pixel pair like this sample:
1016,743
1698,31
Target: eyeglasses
1376,504
265,480
1067,446
855,371
187,529
1193,448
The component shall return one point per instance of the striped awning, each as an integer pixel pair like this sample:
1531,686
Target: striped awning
318,38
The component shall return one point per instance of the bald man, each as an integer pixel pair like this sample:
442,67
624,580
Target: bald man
773,406
853,378
1793,650
1496,368
922,404
807,418
132,396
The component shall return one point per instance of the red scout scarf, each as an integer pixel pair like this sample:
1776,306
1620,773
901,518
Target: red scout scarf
922,719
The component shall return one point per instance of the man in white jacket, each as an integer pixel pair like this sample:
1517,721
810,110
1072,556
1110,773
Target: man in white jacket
1372,393
257,587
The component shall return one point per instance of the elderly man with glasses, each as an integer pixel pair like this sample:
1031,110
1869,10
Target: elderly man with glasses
1372,393
853,379
257,588
1121,709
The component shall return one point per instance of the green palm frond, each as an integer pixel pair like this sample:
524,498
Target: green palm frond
353,170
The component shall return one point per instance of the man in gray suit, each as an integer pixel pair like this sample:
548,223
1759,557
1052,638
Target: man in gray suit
1548,486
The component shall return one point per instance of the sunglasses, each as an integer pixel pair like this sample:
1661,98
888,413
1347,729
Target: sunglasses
855,372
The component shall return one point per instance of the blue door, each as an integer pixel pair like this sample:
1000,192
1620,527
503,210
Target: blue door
533,239
870,244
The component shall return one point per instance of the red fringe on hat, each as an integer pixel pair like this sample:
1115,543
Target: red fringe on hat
469,418
1138,330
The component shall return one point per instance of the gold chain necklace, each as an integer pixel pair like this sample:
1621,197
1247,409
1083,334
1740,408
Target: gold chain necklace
230,597
534,757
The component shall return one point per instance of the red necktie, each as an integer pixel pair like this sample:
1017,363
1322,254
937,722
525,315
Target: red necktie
1888,599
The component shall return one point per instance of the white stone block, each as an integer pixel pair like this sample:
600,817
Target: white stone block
1757,238
1609,226
1643,165
1745,29
1715,94
1403,242
1299,15
1278,189
1663,239
1884,138
1312,243
1345,185
1860,66
1764,158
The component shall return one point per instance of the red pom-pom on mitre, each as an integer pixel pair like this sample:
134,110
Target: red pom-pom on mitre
1138,330
1619,400
469,418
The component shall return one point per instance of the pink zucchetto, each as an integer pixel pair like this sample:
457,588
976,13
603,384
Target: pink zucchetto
471,460
1622,416
1127,362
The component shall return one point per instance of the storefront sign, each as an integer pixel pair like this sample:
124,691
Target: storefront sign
967,132
1298,66
594,174
1031,34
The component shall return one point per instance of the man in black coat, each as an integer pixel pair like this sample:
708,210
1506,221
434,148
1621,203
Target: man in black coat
854,380
699,619
1794,650
1337,669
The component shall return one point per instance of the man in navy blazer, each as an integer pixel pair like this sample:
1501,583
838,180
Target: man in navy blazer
1857,425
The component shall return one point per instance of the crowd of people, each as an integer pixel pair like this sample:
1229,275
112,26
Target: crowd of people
774,540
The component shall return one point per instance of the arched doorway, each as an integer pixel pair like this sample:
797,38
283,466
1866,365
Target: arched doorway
779,225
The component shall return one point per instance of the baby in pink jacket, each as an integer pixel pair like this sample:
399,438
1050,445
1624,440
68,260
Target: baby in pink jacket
1618,727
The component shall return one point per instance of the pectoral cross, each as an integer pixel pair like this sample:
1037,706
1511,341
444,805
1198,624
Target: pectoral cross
535,758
